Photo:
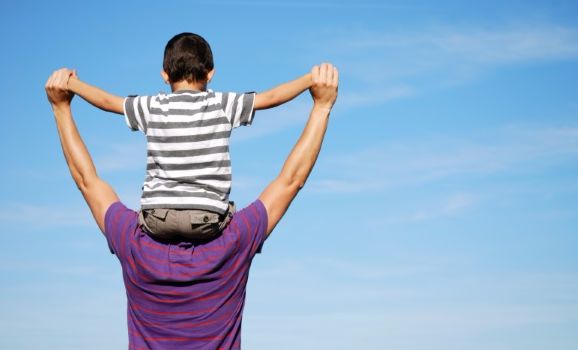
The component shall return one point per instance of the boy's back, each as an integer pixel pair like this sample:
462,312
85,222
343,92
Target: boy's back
188,163
188,177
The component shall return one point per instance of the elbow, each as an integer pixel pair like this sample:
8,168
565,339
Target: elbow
295,182
107,104
83,183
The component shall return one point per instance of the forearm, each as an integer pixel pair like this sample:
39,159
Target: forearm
282,93
77,157
95,96
302,158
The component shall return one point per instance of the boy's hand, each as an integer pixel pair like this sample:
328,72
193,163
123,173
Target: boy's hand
325,79
72,75
56,88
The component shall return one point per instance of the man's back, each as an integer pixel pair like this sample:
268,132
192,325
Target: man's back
169,286
181,295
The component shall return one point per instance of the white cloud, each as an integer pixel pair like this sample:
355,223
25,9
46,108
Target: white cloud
436,304
316,4
452,206
509,45
416,162
46,216
439,56
271,121
354,99
121,157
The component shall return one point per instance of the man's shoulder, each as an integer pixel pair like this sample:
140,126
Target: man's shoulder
250,224
119,215
256,210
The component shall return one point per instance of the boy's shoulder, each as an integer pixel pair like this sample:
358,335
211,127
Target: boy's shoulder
183,96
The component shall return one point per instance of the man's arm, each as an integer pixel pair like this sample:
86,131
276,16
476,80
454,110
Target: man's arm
282,93
278,195
97,193
95,96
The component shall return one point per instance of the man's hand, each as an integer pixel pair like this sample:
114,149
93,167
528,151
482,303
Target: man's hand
56,88
280,193
324,88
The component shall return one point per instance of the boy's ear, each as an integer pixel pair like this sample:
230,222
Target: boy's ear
165,76
210,75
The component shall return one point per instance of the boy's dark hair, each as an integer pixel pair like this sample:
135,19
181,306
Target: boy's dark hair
187,57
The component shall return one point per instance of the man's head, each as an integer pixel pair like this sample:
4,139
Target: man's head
188,57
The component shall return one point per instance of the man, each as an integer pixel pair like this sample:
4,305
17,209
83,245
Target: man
181,294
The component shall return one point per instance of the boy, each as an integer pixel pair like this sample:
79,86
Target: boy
188,176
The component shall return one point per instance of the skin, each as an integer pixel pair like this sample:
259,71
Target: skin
276,197
115,104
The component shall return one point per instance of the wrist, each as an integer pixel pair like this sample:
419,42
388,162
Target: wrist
308,80
70,83
323,106
61,108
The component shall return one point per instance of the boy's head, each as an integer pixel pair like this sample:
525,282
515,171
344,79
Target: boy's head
188,57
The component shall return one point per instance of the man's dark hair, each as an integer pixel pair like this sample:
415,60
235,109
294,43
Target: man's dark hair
187,57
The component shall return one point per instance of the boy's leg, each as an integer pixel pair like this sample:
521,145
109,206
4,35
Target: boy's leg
189,224
203,225
157,223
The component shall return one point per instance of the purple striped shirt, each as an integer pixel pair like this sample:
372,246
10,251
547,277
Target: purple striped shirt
181,295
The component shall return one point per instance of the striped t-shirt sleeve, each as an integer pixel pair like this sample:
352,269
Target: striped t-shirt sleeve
137,111
238,107
119,222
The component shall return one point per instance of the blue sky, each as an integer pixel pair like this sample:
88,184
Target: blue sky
443,211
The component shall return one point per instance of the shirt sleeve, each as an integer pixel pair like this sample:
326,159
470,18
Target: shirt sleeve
238,107
253,222
120,223
137,112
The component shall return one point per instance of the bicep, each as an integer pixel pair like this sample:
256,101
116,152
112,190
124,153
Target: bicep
261,101
276,198
99,196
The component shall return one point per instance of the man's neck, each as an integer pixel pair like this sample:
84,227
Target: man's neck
185,85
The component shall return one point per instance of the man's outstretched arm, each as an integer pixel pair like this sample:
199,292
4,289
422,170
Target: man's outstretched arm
278,195
97,193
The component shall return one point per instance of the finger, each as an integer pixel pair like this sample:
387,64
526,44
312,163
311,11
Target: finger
58,81
315,74
62,79
50,82
47,84
335,81
323,73
330,72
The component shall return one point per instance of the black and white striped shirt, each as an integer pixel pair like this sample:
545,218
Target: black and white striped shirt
188,162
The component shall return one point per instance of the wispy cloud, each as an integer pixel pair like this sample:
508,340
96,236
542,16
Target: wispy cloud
121,157
474,45
272,121
417,162
352,99
46,216
451,206
393,311
318,4
511,45
440,56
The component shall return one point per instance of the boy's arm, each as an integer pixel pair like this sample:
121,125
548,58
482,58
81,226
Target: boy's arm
95,96
282,93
